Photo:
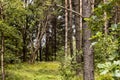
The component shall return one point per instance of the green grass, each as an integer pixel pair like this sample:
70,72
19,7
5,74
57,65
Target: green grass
40,71
37,71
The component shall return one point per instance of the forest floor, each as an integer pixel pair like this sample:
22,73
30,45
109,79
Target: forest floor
37,71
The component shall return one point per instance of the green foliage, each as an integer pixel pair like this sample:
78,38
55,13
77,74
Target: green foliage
60,54
111,68
104,77
11,58
105,46
68,68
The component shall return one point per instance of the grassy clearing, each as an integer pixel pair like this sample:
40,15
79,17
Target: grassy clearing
37,71
41,71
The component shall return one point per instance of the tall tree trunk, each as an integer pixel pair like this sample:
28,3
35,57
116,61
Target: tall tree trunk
2,57
71,29
24,34
106,21
78,35
24,44
87,49
54,41
79,44
66,29
2,44
81,24
40,51
47,44
77,25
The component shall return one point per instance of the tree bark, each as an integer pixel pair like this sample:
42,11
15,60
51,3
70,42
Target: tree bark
2,44
81,24
78,35
47,45
87,49
71,29
106,21
66,29
24,34
40,51
54,40
2,57
24,44
77,25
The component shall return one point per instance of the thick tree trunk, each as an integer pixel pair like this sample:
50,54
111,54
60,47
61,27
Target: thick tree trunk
66,29
87,49
2,57
88,55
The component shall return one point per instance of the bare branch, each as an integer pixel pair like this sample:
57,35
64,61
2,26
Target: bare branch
69,10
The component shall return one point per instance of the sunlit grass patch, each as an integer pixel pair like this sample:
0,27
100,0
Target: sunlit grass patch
37,71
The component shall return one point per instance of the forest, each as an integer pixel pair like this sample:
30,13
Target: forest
59,39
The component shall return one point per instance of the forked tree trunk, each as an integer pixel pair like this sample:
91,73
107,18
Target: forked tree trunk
87,49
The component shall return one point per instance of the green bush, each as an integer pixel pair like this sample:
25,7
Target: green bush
68,68
11,58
